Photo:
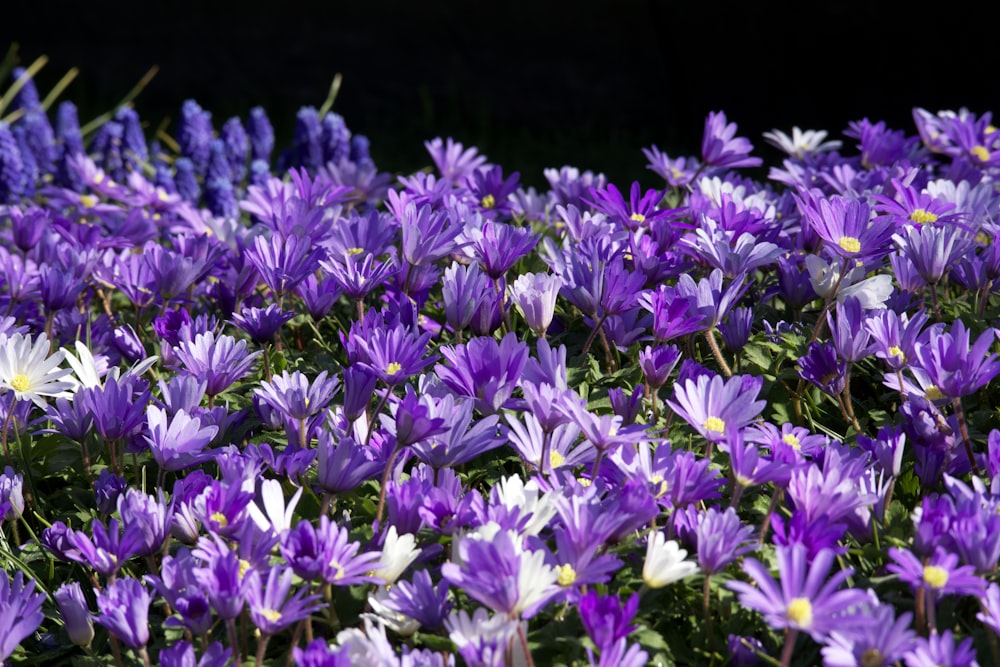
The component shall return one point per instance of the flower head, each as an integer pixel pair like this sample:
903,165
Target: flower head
28,370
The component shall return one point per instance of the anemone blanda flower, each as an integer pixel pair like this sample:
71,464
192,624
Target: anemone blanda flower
28,370
847,226
20,612
720,147
716,408
805,599
665,561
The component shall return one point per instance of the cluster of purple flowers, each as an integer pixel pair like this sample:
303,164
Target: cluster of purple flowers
316,412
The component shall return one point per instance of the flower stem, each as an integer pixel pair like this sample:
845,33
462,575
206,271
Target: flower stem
385,482
524,644
706,609
786,653
714,344
964,430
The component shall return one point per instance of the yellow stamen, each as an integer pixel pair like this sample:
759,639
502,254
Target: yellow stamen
272,615
20,382
935,577
219,518
849,243
922,216
791,441
583,481
556,459
714,424
659,484
896,352
355,251
244,567
932,393
393,368
567,575
489,201
800,612
981,153
637,217
88,201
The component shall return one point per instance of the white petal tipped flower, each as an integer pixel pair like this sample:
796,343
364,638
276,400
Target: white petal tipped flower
279,516
665,562
27,369
398,552
801,143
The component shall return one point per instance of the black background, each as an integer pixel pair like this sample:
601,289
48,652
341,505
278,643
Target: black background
532,84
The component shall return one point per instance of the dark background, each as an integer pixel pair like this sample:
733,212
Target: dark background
532,84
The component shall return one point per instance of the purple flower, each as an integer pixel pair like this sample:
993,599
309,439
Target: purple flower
223,583
720,147
535,296
179,443
498,246
427,235
295,396
271,608
284,262
721,539
500,574
847,331
149,516
453,161
221,361
658,363
75,613
124,606
20,612
11,495
940,574
878,638
804,599
343,466
261,324
823,368
941,649
847,227
956,368
716,408
605,619
395,353
421,600
484,370
638,213
109,548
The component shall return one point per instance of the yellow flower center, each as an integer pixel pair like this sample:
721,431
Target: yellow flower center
800,612
88,201
489,201
932,393
660,484
244,567
714,424
272,615
567,575
935,577
20,382
583,481
872,658
790,440
982,238
849,243
355,251
393,368
338,569
896,352
556,459
219,518
981,153
922,216
637,217
676,173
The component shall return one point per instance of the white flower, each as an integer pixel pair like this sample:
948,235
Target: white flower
398,551
279,516
513,492
27,369
91,371
401,624
665,562
871,292
801,143
480,629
